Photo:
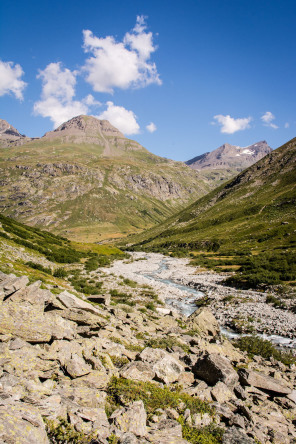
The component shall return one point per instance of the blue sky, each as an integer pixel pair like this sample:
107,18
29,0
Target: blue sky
180,78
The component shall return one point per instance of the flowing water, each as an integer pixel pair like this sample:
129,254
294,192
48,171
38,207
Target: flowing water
187,306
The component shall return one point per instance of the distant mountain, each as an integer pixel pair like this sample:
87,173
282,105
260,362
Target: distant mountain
87,181
9,136
230,157
256,209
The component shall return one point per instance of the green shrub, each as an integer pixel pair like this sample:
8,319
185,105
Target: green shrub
60,273
254,345
204,435
153,396
166,343
38,267
64,432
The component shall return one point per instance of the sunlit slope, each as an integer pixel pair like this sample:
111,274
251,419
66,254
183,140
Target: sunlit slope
257,209
87,181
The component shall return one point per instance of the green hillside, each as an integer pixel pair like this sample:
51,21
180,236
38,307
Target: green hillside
255,210
86,181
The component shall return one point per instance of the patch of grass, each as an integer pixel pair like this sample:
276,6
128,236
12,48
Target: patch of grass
254,345
125,390
61,431
130,283
39,267
204,435
119,361
166,343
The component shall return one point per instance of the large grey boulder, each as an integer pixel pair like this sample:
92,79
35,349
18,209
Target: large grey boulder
21,423
138,371
205,322
167,369
236,436
221,393
264,382
213,368
166,431
131,419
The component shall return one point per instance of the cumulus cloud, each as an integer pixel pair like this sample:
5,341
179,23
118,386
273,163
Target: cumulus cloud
10,79
121,118
229,125
267,119
151,127
58,92
122,64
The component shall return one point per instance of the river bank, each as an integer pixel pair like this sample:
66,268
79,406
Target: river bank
179,285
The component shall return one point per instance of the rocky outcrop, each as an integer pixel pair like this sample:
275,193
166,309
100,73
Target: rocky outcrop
61,368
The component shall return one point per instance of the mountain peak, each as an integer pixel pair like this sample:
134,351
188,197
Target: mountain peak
84,127
10,136
230,157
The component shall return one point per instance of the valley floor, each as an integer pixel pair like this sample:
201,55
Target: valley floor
180,285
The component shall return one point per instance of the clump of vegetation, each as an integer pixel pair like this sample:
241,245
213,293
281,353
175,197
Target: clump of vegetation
83,285
150,306
153,396
166,343
202,302
38,267
119,361
205,435
254,345
122,298
276,302
62,431
60,273
130,283
268,268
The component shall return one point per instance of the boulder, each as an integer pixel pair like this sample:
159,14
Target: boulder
221,393
167,369
236,436
213,368
131,419
205,322
69,300
138,371
76,366
21,423
263,382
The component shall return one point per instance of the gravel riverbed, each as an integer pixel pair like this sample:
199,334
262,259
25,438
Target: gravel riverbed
178,284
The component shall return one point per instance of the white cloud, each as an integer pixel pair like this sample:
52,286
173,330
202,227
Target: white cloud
121,118
120,64
10,82
58,92
267,119
229,125
287,125
151,127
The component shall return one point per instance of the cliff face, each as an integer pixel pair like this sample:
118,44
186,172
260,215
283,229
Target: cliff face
86,180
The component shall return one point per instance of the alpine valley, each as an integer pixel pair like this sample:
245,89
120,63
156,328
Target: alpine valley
182,333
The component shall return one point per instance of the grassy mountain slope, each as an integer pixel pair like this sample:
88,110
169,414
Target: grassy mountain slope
87,181
255,210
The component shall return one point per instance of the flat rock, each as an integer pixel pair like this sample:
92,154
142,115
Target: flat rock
213,368
261,381
69,300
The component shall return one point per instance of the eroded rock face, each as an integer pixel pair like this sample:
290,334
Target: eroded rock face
213,368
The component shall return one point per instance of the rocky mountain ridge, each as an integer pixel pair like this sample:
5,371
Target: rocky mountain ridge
10,136
230,157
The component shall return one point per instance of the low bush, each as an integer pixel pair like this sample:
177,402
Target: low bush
38,267
254,345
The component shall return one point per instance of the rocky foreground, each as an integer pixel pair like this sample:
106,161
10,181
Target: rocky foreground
124,374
